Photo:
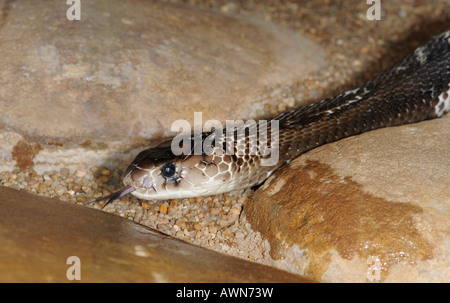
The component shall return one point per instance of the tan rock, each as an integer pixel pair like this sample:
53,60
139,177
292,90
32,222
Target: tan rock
91,90
374,204
39,234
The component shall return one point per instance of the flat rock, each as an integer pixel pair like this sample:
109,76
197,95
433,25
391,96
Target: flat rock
373,207
39,234
83,91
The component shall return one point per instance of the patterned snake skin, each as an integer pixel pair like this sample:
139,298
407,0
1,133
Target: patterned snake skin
413,90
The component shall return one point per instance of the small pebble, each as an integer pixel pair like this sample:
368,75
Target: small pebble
145,205
227,234
239,235
234,211
197,226
105,172
81,199
42,187
173,203
79,174
162,209
103,179
214,211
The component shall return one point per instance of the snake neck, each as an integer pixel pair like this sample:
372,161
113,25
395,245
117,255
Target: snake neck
413,90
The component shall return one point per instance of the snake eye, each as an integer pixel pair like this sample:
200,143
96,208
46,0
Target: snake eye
168,170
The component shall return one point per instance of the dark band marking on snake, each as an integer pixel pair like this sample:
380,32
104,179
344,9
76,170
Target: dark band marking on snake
413,90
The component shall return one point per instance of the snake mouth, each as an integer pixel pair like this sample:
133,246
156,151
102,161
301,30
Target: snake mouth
114,196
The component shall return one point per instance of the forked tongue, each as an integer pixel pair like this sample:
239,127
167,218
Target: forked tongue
118,194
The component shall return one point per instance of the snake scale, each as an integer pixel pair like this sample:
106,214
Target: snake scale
415,89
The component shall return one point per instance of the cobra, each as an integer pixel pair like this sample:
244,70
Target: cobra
415,89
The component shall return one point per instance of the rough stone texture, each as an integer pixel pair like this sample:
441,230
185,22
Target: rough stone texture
385,194
38,235
124,73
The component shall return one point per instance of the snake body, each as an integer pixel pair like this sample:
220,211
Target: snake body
415,89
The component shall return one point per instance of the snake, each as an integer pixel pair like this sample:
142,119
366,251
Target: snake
415,89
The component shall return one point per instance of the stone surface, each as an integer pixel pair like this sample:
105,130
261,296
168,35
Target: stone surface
126,71
374,203
39,234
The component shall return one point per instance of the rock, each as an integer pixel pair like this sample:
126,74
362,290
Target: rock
91,91
374,207
39,234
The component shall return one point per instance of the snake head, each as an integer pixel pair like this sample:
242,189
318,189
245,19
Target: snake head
157,174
